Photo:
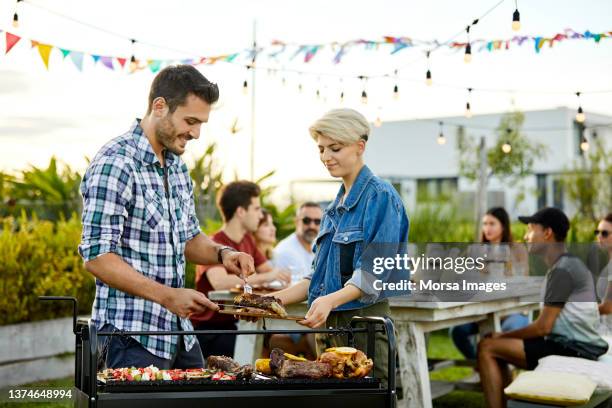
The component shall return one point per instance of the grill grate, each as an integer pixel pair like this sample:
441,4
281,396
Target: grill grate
227,385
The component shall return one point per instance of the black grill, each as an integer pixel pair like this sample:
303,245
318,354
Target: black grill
252,393
229,385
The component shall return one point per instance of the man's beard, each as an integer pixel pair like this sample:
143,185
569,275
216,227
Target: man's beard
165,133
309,235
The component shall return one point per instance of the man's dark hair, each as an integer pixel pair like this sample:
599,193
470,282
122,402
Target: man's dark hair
236,194
608,217
309,204
176,82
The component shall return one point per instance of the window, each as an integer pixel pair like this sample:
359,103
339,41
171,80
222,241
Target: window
558,194
542,190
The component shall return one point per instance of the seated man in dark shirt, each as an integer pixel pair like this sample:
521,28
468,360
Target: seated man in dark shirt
568,319
241,210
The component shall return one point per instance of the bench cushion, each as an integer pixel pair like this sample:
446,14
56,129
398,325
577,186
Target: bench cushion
599,372
550,387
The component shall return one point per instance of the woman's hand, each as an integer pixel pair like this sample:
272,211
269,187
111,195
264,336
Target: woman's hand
276,274
318,313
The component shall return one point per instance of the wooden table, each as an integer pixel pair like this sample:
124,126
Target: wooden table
413,318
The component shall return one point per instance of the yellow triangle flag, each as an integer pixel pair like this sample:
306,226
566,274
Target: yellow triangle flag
45,51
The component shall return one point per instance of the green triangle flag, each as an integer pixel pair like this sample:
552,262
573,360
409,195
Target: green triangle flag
64,52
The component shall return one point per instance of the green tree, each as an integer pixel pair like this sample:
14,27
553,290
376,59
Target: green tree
51,193
207,180
510,159
588,181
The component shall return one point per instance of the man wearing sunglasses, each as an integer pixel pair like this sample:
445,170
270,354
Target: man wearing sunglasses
603,234
295,251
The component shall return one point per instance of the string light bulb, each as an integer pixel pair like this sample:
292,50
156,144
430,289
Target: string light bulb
342,97
395,87
318,94
378,121
506,147
467,57
580,116
133,61
468,107
516,20
364,94
245,87
300,87
364,97
584,144
16,16
428,80
441,139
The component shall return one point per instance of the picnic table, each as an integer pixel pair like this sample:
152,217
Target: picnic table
414,316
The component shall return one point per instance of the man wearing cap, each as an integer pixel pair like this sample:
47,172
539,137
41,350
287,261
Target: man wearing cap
567,321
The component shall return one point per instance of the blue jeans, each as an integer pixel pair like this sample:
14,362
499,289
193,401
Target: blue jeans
125,351
464,335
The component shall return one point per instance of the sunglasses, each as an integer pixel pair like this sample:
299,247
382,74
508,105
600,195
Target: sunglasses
308,220
603,233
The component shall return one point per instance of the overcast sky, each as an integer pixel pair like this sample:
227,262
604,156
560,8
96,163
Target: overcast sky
70,114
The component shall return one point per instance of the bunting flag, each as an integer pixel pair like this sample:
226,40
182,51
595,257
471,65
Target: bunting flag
308,52
77,59
154,65
107,62
11,40
45,51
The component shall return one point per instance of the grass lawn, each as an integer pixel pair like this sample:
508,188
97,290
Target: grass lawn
440,346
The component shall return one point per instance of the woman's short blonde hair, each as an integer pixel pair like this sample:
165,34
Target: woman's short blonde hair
346,126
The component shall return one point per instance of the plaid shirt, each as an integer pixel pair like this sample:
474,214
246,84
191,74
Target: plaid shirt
126,211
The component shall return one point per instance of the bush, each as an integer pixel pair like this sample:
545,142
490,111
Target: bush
39,258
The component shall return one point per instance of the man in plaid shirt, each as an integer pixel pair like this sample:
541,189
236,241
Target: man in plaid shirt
139,225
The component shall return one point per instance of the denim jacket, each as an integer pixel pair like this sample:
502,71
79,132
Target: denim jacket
371,213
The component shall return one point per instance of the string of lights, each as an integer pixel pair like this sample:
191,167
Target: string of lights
363,79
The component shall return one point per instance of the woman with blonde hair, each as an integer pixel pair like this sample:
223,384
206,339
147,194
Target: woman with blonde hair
366,210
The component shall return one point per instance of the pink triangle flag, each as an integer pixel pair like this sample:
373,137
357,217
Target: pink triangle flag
11,40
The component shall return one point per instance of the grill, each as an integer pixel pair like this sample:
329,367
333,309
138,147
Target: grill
252,393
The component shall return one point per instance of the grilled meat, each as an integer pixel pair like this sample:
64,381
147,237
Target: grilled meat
228,365
269,303
285,368
345,365
222,363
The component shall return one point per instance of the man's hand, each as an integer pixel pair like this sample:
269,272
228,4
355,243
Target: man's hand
493,335
238,263
318,313
185,302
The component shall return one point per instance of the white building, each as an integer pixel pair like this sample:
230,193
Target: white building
408,154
